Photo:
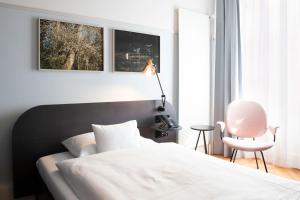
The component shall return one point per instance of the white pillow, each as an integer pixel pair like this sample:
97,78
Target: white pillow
117,136
81,145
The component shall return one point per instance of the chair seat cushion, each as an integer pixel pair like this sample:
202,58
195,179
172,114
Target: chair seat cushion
247,144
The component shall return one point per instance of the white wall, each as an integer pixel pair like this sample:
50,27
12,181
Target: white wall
153,13
22,86
194,74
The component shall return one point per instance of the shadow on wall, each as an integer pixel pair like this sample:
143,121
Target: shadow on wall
34,43
7,121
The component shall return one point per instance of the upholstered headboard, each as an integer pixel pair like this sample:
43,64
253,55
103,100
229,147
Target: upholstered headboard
40,130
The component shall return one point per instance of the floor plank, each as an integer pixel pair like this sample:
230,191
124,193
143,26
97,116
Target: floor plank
290,173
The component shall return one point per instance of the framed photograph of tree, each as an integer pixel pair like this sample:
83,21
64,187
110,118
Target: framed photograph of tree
70,46
132,50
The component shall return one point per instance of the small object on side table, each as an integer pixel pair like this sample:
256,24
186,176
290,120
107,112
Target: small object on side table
202,128
164,123
161,132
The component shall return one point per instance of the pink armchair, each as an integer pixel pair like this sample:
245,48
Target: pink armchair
246,119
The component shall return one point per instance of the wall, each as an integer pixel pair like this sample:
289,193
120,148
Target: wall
194,74
152,13
22,86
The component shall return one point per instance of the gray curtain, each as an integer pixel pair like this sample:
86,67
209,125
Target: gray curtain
227,64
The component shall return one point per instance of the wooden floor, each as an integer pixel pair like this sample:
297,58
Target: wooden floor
273,169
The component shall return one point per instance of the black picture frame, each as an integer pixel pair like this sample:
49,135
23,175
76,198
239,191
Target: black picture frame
132,49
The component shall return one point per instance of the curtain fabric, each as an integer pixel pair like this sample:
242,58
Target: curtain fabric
227,64
270,39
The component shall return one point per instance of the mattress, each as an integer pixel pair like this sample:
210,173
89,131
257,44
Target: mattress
50,174
182,174
167,172
56,184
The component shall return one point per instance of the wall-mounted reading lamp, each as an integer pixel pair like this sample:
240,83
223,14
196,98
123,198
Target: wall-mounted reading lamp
151,69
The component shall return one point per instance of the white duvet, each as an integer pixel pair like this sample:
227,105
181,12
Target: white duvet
169,171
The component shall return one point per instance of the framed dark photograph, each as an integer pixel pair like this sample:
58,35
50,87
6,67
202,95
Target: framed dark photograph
70,46
131,51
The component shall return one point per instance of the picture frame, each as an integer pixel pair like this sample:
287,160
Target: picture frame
131,50
70,46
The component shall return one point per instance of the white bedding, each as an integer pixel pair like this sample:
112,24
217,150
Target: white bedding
53,179
59,189
169,171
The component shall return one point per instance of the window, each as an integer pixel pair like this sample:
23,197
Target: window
270,37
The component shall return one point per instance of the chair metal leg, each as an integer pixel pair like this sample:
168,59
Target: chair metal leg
197,140
235,155
231,157
257,167
262,155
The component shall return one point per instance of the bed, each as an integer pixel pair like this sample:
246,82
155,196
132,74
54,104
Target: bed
202,177
48,171
40,130
56,184
152,171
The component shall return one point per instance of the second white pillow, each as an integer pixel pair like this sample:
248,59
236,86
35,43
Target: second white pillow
116,136
81,145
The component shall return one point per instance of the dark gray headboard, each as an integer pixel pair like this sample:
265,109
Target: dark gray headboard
40,130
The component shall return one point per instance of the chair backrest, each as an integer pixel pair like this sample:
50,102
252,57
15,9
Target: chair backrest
246,119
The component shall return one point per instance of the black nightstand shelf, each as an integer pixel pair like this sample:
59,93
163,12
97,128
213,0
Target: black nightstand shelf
162,132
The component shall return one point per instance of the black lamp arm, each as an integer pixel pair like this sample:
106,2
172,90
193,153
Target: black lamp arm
163,96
